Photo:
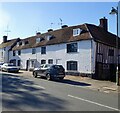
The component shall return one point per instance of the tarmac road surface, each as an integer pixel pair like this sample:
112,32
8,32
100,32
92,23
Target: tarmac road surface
25,93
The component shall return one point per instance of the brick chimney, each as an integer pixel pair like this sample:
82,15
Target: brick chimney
4,39
104,23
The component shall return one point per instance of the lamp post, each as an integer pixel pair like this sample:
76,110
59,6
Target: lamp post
115,11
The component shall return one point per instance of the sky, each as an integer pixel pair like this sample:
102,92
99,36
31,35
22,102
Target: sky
23,19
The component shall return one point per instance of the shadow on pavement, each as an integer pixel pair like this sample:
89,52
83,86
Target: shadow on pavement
20,94
68,81
72,82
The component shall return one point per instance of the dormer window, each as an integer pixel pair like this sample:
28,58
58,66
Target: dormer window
48,37
20,43
41,39
26,42
37,40
17,43
76,31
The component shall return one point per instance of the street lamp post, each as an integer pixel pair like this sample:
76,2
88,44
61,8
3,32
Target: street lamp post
115,11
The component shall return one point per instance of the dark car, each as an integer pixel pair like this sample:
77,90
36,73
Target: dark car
50,71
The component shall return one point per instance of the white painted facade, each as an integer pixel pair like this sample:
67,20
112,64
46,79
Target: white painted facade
4,54
85,56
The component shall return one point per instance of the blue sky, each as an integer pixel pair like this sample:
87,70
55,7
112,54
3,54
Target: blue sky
24,19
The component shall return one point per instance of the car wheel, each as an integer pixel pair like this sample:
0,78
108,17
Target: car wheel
48,77
34,74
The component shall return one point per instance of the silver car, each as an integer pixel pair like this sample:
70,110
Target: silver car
9,67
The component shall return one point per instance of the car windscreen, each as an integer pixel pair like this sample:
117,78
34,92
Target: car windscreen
58,67
11,65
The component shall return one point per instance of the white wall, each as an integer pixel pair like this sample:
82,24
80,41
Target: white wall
59,55
4,57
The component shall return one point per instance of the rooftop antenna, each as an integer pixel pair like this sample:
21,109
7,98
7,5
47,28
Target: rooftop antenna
51,25
37,30
7,30
61,22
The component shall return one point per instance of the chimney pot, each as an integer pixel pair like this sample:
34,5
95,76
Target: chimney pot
104,23
4,39
64,26
50,30
38,33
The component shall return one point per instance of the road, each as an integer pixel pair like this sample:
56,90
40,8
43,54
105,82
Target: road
25,93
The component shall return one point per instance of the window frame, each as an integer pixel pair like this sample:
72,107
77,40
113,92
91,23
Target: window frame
19,63
19,52
43,50
76,31
50,61
70,49
33,50
111,52
43,61
73,66
14,53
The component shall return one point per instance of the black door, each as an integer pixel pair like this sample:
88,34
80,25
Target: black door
27,65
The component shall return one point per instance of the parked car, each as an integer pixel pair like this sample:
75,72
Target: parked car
9,67
1,65
50,71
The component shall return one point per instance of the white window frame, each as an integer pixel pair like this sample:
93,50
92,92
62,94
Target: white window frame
76,31
37,40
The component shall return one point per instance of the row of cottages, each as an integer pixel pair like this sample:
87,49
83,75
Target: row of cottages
84,49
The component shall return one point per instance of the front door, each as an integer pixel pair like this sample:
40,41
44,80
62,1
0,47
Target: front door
27,65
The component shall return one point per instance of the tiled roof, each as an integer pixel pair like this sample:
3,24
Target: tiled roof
8,43
65,35
100,35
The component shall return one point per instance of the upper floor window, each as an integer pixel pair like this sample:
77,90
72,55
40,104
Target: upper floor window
41,39
26,42
72,47
49,37
20,43
4,49
19,52
13,53
33,50
17,43
76,32
43,50
37,40
111,52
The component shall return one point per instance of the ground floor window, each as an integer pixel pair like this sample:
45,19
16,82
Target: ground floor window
50,61
32,63
13,61
19,63
72,65
43,61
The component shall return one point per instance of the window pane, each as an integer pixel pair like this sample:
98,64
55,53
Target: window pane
43,50
43,61
111,52
72,47
33,51
50,61
19,62
72,65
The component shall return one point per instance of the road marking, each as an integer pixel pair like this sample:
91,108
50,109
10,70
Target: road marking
39,86
94,103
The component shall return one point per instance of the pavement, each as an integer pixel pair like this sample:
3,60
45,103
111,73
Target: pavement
99,85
